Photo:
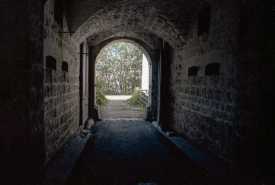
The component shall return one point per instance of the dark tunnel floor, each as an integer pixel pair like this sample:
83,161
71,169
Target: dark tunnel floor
121,152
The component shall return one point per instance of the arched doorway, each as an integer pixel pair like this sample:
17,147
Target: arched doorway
122,81
152,64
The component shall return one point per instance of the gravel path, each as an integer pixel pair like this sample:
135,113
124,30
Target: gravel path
118,107
123,152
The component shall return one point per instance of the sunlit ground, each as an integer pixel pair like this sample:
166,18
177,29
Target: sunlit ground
118,107
118,97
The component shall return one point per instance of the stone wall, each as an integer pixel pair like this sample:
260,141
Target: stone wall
204,106
137,17
229,114
61,88
21,95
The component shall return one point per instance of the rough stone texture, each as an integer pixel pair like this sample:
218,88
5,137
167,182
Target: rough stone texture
61,88
230,115
221,113
205,106
137,19
216,112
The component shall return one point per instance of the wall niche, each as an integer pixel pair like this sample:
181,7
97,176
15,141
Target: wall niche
212,69
193,71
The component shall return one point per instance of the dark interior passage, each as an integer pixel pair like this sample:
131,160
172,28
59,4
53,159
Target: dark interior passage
122,152
211,82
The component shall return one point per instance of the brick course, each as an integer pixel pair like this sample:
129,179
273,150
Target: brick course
204,107
61,89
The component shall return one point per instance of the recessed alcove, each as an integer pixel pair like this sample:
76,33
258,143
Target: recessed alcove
50,62
193,71
212,69
65,66
204,19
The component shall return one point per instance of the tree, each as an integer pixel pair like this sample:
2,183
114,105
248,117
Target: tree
119,68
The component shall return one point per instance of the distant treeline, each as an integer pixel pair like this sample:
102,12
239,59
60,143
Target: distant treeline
119,68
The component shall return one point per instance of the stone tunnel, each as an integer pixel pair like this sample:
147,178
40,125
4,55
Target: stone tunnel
211,76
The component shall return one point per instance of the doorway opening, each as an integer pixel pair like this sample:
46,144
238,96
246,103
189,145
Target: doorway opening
123,81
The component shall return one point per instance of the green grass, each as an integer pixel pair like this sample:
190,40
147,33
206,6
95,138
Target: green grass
135,98
101,98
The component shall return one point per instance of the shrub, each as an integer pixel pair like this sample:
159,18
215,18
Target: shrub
135,98
101,98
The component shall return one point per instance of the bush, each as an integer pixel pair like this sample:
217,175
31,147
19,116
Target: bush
112,92
101,98
135,98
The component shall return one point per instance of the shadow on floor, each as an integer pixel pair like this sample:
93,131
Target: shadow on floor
125,152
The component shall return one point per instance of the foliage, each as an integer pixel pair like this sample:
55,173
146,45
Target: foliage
134,100
101,98
113,92
119,68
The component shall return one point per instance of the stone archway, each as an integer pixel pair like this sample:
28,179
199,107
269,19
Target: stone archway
152,57
154,27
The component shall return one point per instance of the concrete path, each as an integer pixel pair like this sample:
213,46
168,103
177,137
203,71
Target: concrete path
118,107
123,152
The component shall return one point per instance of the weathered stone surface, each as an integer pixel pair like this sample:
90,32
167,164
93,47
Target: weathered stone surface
229,115
204,108
131,17
61,88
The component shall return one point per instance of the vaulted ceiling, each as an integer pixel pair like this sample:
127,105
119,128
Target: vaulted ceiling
146,20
